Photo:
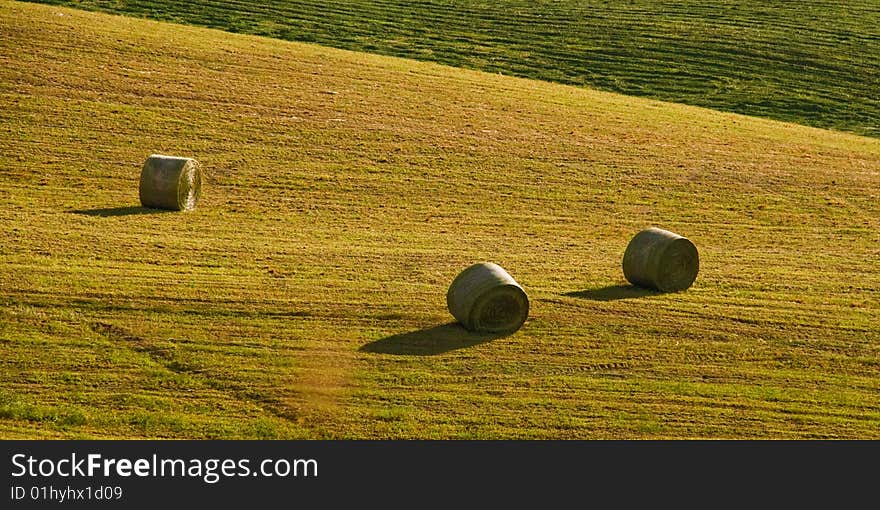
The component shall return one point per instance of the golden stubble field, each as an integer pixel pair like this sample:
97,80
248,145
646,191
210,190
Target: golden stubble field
305,295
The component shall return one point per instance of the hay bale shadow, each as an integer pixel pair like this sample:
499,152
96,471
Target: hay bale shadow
430,341
118,211
613,293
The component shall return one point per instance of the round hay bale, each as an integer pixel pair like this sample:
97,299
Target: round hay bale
169,182
662,260
485,299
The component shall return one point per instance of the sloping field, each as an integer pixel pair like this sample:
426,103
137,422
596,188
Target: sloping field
813,62
305,295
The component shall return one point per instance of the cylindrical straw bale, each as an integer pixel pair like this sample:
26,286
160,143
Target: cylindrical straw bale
661,260
169,182
484,298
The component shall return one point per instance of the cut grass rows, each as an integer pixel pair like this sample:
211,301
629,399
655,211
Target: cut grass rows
304,297
812,64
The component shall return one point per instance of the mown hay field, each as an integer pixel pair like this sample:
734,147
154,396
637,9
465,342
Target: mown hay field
304,297
813,63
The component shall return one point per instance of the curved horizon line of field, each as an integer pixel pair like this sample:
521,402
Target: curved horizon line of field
814,65
304,296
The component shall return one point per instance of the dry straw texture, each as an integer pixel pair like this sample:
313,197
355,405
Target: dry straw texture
486,299
662,260
169,182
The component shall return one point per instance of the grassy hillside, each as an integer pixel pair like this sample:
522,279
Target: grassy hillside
813,63
305,296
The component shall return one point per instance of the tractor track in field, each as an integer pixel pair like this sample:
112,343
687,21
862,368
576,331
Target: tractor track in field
323,374
165,356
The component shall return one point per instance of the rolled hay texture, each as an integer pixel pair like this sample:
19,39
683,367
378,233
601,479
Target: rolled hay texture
484,298
169,182
661,260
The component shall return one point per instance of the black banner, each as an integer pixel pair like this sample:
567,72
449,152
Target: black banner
233,474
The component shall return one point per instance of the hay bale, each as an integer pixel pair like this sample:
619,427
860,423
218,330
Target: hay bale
169,182
662,260
485,299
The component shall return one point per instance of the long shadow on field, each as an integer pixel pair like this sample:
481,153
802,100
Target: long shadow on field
118,211
613,293
430,341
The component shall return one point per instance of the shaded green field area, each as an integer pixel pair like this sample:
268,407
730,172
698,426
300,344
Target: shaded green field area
813,63
304,297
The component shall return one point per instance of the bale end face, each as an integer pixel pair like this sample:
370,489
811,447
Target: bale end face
501,310
680,265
